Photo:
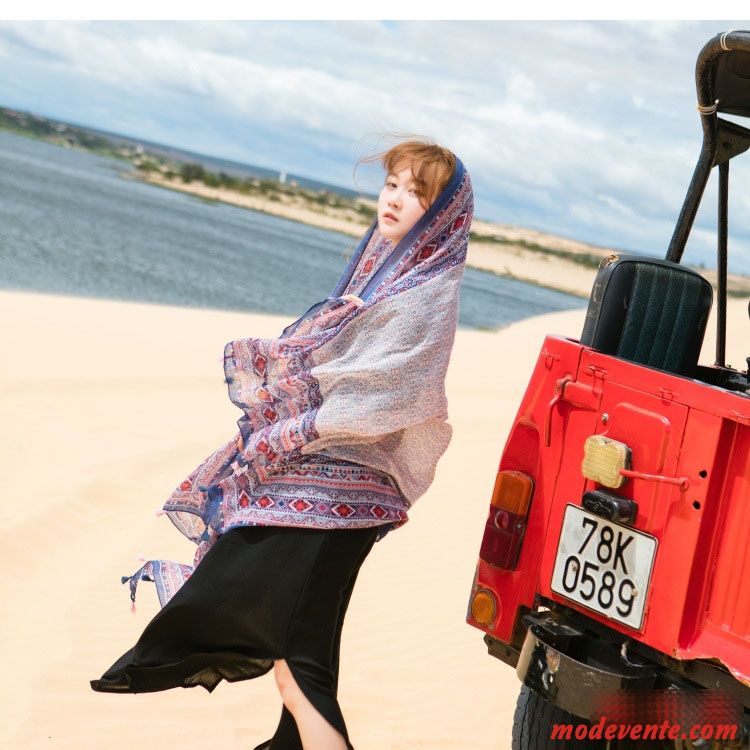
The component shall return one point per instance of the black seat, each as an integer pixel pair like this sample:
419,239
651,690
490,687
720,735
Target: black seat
650,311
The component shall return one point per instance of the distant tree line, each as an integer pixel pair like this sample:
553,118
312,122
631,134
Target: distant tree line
69,135
269,189
41,127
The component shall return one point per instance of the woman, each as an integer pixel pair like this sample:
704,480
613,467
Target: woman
344,420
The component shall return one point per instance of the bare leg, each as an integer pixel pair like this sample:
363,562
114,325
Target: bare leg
315,731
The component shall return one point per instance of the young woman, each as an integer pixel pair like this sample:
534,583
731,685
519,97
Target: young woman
344,420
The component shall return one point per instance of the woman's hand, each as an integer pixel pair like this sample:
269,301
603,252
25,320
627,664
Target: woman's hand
353,298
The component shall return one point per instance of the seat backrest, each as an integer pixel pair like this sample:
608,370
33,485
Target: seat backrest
650,311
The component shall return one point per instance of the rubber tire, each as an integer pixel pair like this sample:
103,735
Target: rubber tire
533,722
535,717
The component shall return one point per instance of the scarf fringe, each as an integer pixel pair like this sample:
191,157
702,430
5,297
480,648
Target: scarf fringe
169,576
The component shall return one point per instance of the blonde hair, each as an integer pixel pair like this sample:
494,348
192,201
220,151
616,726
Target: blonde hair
432,166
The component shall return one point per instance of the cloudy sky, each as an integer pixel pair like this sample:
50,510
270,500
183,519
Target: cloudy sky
585,129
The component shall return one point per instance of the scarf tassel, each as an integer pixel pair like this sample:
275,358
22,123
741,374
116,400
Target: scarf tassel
144,573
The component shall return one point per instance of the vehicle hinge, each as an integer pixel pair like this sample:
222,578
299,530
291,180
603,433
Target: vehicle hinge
549,359
582,395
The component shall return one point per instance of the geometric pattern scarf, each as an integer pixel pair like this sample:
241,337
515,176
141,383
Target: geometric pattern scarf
359,377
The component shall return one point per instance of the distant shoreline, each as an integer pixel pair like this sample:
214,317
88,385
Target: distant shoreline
510,261
526,255
510,252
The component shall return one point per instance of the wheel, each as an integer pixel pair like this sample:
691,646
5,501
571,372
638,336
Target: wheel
533,722
535,718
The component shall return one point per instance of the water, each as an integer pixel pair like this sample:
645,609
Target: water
71,224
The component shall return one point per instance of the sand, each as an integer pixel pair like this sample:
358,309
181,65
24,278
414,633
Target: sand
105,406
504,249
297,209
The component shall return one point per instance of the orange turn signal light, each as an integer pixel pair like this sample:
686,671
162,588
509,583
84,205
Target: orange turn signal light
513,490
483,607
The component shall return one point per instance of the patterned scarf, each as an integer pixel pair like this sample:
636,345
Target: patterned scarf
359,377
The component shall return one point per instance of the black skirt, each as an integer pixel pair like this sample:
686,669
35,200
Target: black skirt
260,593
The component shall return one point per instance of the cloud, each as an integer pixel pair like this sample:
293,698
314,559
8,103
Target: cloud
584,128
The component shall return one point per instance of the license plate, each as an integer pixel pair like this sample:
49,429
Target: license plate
604,566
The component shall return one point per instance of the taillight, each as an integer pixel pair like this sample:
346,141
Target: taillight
506,522
483,606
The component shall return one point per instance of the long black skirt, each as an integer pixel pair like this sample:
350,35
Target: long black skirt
260,593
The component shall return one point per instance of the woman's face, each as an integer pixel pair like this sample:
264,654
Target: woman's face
399,205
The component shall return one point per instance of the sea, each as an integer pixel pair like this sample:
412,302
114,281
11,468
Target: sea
76,223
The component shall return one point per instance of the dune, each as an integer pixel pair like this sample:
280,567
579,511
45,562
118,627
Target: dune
105,406
503,249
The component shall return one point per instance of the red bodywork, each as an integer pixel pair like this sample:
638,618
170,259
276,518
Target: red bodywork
698,599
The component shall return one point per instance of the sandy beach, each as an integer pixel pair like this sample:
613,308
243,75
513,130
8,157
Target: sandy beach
503,249
105,406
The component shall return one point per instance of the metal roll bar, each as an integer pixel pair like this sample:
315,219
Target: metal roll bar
722,141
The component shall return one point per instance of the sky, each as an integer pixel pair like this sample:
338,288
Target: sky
584,129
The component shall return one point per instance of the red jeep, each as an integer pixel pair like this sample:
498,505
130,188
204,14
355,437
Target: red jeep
616,553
